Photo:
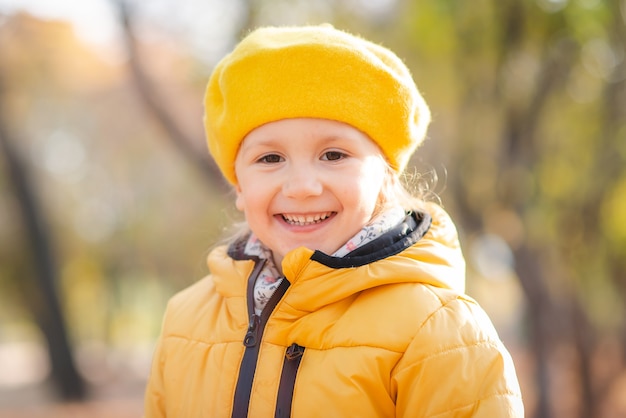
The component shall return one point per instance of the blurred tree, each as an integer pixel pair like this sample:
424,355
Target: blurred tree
537,150
96,180
529,105
39,275
159,108
534,150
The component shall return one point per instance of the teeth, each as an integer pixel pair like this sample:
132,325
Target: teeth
301,220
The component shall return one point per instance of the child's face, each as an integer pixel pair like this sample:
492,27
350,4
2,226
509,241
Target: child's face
307,182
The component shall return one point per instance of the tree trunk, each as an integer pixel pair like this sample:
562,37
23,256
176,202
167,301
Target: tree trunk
44,303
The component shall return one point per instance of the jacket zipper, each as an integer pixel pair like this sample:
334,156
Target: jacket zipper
293,356
251,341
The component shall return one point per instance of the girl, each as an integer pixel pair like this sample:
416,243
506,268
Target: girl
345,297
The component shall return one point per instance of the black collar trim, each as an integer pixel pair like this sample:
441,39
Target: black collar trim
407,233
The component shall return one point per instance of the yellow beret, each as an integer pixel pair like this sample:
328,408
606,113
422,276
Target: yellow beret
316,72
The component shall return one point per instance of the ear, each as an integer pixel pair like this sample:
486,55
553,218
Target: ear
239,200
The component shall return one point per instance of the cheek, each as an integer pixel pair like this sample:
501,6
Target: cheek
372,183
364,195
252,200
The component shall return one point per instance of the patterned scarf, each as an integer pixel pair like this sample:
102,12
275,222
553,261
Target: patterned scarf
269,278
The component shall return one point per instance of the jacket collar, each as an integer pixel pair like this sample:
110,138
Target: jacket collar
408,232
426,251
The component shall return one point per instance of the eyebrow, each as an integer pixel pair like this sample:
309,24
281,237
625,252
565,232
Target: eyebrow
272,140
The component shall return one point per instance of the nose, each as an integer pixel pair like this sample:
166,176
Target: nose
302,181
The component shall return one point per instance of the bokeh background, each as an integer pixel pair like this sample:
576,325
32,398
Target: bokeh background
109,203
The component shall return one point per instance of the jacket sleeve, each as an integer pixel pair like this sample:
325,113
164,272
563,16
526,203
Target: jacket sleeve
456,366
154,399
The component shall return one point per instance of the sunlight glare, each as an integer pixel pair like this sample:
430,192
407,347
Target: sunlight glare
94,20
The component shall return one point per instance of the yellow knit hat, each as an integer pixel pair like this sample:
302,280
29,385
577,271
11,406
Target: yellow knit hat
316,72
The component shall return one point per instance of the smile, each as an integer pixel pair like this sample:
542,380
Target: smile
302,220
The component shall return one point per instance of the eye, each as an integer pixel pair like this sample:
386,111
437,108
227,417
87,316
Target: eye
333,156
271,159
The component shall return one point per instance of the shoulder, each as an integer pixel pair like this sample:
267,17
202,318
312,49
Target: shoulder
457,339
193,311
457,350
193,294
203,314
188,304
433,320
454,321
399,314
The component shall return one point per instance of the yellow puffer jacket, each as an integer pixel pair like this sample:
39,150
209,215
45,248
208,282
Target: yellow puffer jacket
385,333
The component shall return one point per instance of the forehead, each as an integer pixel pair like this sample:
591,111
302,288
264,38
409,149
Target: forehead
305,131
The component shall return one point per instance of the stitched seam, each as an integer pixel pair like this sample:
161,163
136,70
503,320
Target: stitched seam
450,349
442,305
455,348
193,340
346,346
494,395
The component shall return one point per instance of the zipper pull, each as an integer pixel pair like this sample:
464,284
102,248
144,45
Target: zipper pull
294,351
252,335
